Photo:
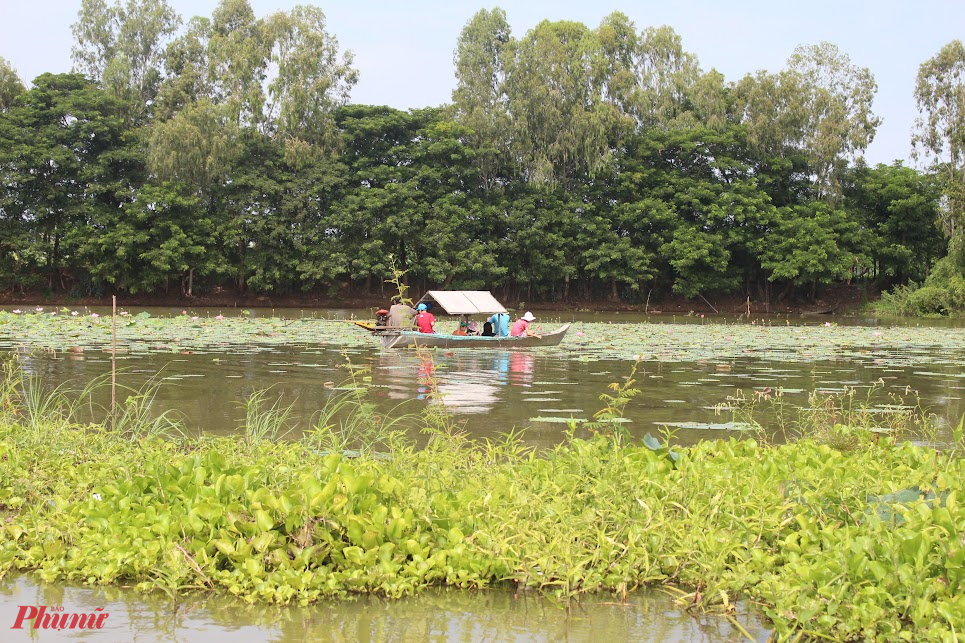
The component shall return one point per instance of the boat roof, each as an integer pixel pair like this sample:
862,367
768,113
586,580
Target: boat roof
464,302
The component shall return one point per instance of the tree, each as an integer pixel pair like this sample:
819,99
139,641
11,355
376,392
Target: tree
143,244
311,81
810,245
819,107
560,134
122,46
898,208
237,61
940,130
479,97
59,145
195,148
10,84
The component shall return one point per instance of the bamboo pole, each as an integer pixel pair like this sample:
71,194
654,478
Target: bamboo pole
113,357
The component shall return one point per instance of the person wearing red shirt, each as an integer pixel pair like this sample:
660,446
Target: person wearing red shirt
424,320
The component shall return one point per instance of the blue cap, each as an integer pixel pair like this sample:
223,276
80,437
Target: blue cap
421,307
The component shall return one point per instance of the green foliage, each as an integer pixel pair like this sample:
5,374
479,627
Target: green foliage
10,84
942,294
574,161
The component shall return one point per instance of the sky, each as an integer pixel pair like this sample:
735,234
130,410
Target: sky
404,49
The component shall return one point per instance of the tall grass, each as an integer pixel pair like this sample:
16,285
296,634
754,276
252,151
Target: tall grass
42,410
845,420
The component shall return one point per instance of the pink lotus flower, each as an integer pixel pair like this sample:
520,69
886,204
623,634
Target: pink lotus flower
827,323
219,316
876,333
39,309
123,313
195,318
184,312
17,312
74,313
94,315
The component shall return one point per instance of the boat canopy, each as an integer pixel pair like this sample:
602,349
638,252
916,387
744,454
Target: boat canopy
464,302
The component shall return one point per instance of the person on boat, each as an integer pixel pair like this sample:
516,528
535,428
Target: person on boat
463,328
472,328
400,315
424,320
521,326
500,322
488,329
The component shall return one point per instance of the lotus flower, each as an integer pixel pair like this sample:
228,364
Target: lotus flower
94,315
219,316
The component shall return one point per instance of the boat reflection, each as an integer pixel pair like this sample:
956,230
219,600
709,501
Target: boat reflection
462,382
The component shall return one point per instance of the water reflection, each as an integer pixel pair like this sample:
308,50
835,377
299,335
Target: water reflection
469,382
437,615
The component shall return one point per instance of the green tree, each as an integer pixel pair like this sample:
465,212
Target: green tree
479,97
810,245
312,81
10,84
560,134
122,45
818,108
898,207
195,148
58,147
940,134
145,244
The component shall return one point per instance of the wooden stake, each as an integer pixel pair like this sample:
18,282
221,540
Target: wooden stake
113,357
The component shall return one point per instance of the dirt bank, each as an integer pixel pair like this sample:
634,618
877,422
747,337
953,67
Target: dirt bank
835,300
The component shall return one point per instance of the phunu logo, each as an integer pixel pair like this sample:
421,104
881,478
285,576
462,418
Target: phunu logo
54,618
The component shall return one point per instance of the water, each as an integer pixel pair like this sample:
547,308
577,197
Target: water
436,615
682,383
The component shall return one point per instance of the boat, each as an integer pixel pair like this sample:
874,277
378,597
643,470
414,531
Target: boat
461,302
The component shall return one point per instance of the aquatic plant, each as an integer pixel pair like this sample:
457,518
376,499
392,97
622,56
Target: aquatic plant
846,419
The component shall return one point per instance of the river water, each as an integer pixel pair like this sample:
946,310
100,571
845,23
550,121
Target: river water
438,615
683,381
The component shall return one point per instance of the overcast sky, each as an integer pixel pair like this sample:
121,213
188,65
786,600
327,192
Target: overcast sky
403,49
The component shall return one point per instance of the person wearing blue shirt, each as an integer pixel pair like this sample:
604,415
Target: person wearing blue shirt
500,322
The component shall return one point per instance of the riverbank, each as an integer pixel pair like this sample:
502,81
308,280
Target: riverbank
840,299
875,555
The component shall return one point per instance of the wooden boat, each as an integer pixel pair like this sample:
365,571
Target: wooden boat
462,302
407,338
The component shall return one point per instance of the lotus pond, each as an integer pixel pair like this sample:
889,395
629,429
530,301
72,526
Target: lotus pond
209,364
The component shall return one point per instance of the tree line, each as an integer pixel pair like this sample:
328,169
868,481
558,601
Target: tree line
572,162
